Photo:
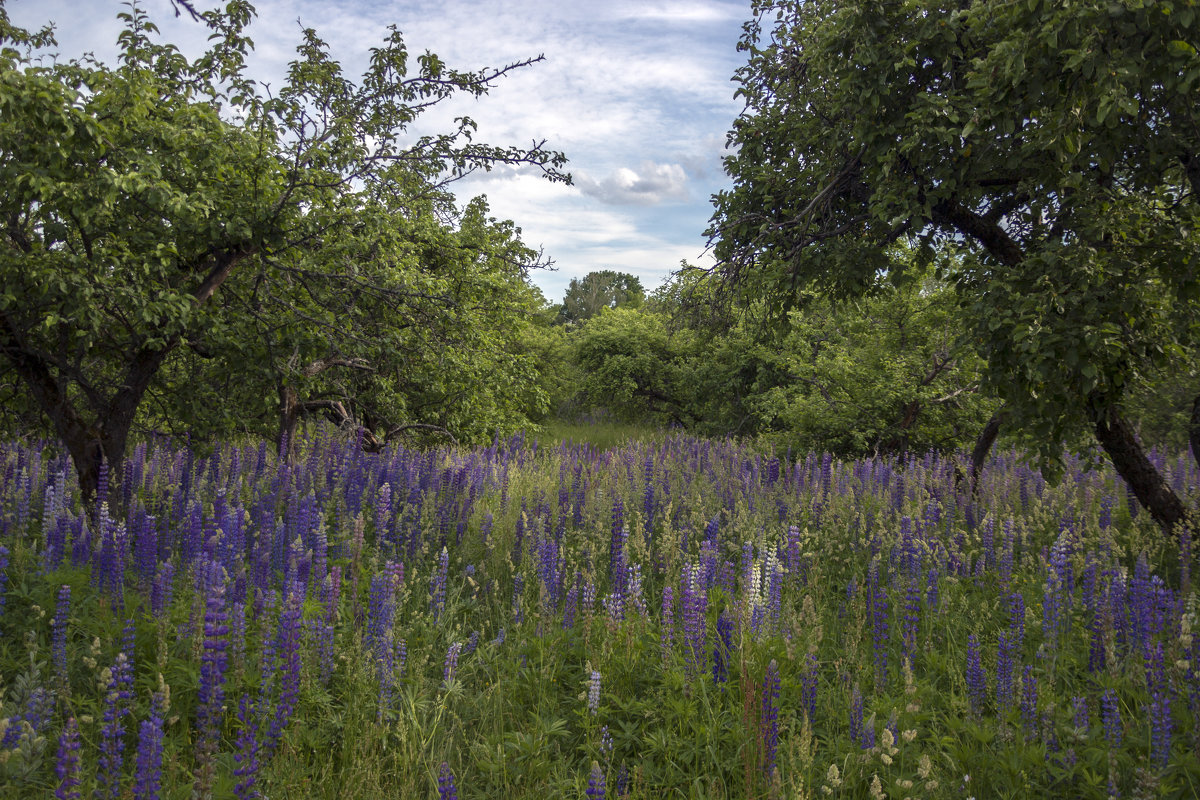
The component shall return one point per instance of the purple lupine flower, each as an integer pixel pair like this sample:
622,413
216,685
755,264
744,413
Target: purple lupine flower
878,608
1016,621
1161,724
648,494
1029,701
769,717
1110,717
571,605
237,635
622,786
912,616
1081,715
112,734
66,766
808,688
976,682
695,624
210,713
287,648
451,665
246,756
606,741
3,574
1106,508
62,614
1097,652
593,695
595,788
931,589
856,714
616,552
437,589
446,788
148,781
162,590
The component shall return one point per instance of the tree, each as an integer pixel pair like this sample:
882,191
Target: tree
134,194
634,366
1054,146
587,296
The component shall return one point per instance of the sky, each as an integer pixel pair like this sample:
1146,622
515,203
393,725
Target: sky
636,94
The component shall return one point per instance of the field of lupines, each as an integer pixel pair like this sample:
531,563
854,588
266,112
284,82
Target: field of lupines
686,618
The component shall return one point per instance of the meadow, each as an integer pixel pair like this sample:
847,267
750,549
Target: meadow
669,618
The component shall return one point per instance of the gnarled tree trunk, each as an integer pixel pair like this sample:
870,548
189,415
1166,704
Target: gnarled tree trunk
1132,464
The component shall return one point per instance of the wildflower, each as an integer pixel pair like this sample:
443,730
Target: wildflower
451,665
769,716
877,788
1110,718
446,788
593,697
856,714
808,688
246,756
116,707
1160,707
210,712
66,767
148,783
976,685
595,790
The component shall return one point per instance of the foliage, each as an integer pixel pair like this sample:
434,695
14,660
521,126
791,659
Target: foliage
165,203
588,296
886,374
1053,145
634,366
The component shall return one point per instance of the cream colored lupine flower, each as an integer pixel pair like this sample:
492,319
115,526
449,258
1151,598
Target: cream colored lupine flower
877,788
833,776
924,766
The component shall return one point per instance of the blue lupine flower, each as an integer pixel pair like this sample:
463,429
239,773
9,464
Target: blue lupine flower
593,696
1110,718
148,781
976,683
66,766
595,789
446,787
769,716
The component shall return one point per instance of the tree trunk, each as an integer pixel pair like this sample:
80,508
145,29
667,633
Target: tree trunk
289,415
983,446
1132,464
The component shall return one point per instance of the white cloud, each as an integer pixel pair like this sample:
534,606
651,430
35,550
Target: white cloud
635,92
650,184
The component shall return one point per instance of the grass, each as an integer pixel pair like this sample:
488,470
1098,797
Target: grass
682,572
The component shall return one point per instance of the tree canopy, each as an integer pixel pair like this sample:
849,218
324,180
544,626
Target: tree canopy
168,204
588,296
1053,146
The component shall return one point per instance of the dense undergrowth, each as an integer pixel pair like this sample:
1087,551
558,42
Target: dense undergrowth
682,618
